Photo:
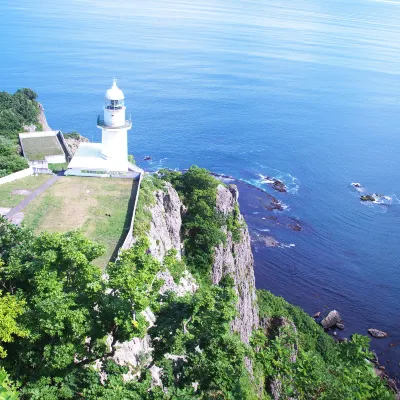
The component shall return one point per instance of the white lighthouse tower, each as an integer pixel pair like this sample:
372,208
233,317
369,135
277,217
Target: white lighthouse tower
110,157
114,127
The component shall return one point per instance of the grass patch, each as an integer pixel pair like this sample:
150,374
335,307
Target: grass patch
99,207
7,199
37,148
58,167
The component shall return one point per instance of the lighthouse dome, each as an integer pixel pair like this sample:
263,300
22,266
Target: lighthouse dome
114,93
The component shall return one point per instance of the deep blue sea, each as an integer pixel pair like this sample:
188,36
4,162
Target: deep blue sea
307,91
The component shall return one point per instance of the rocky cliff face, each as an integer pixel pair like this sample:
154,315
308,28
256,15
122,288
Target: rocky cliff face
235,259
166,223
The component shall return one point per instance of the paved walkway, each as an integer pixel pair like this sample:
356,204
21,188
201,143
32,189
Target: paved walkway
18,208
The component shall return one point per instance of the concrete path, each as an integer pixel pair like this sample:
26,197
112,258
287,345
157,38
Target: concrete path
18,208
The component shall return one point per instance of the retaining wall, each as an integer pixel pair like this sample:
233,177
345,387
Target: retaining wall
129,236
16,175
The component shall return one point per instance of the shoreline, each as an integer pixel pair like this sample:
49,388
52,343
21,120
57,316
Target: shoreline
384,349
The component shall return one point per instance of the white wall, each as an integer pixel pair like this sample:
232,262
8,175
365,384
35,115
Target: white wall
16,175
59,159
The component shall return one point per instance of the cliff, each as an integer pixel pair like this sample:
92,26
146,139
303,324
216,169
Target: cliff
233,258
236,259
166,222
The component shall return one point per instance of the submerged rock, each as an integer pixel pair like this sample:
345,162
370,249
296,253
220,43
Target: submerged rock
331,320
367,197
276,184
317,314
376,333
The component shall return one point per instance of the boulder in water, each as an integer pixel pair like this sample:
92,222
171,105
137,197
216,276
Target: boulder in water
367,197
331,319
376,333
317,314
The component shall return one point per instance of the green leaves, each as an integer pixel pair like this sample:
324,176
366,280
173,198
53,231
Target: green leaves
10,309
323,369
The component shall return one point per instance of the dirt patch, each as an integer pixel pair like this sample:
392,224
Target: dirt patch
22,192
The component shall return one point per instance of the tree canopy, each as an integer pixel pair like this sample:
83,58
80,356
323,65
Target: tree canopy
16,110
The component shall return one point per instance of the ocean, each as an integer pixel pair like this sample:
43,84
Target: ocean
306,92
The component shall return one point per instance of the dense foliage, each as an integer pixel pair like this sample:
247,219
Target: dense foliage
202,223
64,312
61,319
304,362
16,110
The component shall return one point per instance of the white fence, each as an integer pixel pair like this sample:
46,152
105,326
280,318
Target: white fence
16,175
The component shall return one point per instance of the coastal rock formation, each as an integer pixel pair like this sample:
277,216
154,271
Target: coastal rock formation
42,119
73,141
376,333
236,259
166,222
331,320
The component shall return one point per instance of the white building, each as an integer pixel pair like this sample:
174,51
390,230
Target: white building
110,157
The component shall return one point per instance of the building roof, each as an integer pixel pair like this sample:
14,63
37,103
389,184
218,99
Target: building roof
114,93
88,157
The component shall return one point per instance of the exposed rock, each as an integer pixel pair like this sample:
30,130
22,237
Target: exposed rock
340,326
331,320
135,354
73,142
29,128
270,241
42,119
187,284
236,259
147,158
166,223
276,184
317,314
296,227
367,197
376,333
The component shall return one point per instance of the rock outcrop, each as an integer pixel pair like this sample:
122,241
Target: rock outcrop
331,320
74,141
166,222
233,258
42,118
376,333
236,259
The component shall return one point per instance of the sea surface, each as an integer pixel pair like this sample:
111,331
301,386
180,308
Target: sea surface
306,91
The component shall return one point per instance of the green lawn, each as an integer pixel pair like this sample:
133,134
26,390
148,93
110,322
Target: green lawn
83,203
37,148
7,199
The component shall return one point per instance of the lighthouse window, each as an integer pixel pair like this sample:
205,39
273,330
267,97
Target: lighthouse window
115,105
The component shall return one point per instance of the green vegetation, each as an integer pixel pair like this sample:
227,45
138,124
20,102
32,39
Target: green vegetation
16,110
58,167
100,208
149,184
307,362
69,310
37,148
202,223
10,199
72,135
61,317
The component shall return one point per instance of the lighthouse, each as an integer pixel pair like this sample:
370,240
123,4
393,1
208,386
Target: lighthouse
114,128
110,157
